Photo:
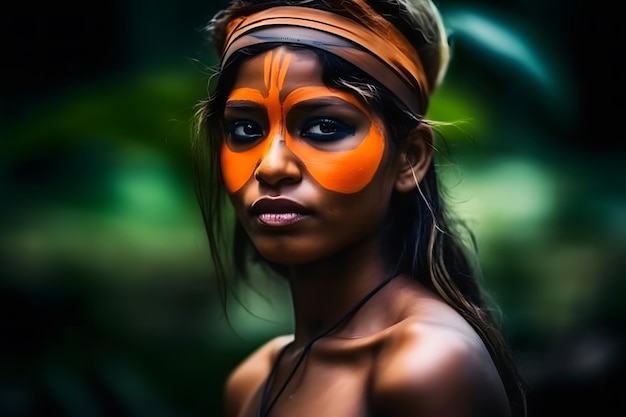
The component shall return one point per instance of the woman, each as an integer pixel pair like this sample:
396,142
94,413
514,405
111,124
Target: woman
314,132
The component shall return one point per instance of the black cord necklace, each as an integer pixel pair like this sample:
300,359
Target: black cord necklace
264,407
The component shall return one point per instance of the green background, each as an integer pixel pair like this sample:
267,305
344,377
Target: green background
108,306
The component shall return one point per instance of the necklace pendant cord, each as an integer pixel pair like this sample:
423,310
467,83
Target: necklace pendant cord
264,407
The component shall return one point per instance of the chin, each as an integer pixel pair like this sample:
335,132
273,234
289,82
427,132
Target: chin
286,258
292,254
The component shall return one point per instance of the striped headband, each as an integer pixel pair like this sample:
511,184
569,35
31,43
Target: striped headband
384,53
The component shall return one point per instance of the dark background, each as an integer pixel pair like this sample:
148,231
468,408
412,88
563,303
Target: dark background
107,303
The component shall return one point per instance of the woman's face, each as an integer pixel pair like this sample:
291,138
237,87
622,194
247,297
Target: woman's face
305,165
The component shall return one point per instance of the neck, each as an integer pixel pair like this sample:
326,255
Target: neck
323,293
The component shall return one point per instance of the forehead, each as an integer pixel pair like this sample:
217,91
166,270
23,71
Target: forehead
300,67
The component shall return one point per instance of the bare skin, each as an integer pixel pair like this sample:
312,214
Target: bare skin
425,361
405,352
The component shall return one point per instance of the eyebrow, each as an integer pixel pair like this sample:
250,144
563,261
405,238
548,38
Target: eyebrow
236,108
313,103
243,104
322,101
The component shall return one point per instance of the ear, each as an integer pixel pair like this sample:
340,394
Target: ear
416,158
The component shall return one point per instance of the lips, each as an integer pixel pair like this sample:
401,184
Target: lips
278,211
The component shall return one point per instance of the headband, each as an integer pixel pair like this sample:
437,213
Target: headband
384,53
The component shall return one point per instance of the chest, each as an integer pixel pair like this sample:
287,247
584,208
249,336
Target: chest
328,388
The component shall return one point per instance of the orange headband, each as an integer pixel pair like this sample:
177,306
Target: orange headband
386,56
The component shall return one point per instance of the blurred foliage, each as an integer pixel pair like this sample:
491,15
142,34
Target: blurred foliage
108,302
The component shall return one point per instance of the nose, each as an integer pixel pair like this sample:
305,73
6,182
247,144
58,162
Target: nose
278,165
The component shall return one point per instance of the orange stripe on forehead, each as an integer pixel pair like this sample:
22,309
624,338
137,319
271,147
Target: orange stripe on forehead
275,67
282,68
267,69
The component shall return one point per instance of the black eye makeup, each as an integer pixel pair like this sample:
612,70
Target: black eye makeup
244,131
244,122
326,129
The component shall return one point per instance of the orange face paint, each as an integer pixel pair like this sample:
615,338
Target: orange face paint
344,171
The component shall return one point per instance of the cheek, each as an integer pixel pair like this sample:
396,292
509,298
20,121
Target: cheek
344,172
238,167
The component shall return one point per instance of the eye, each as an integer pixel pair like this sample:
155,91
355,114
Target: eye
326,130
244,131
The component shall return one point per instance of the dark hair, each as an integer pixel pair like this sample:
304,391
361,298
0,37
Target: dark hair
420,237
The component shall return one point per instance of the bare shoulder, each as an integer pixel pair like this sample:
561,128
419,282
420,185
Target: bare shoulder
244,380
434,364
